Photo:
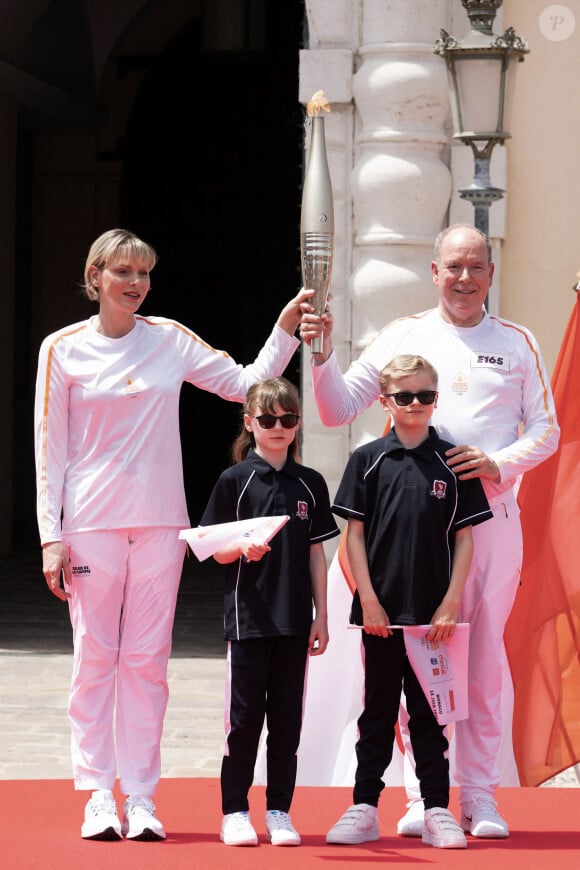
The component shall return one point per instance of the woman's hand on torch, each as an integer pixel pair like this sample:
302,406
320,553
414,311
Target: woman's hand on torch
312,325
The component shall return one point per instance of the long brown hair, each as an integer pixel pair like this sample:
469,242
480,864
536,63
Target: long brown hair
267,394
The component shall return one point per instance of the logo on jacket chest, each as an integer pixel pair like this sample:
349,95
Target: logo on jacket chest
134,387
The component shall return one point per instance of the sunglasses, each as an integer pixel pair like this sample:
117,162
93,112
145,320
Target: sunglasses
426,397
268,421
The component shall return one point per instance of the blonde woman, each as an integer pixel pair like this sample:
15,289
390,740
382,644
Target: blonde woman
110,505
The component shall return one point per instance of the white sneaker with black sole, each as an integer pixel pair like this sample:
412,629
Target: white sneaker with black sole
101,819
139,819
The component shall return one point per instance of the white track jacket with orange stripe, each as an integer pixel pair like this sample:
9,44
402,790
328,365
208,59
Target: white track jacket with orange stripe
494,389
108,450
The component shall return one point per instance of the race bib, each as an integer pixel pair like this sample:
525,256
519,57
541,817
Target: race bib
489,360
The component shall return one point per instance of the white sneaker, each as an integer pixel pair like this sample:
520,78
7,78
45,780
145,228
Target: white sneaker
480,818
441,830
101,819
281,831
237,830
358,824
139,820
411,824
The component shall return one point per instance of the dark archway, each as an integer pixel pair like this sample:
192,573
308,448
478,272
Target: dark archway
212,178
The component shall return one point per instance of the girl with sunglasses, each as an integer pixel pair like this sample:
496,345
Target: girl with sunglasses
270,591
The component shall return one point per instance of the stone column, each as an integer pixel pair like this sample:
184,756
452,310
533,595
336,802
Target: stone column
328,65
391,181
400,183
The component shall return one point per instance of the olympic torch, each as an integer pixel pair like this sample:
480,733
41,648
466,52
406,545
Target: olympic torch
317,217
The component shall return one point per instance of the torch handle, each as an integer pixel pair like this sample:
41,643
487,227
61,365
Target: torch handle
317,249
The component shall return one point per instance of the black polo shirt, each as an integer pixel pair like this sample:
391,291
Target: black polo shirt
272,597
411,504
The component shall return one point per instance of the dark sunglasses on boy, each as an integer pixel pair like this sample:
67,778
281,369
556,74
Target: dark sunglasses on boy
268,421
405,397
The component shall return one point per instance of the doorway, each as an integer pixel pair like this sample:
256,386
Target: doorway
212,175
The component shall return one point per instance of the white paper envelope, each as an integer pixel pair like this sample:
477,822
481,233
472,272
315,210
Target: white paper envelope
207,540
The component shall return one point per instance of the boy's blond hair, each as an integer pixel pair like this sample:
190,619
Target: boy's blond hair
403,366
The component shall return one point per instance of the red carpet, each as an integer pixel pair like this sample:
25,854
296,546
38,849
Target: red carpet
41,829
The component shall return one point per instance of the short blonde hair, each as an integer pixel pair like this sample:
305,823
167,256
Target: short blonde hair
403,366
111,247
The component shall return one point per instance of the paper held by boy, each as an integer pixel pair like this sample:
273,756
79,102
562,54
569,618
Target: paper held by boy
207,540
441,668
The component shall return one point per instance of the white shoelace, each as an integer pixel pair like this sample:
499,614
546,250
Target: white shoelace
485,804
281,820
240,821
102,805
140,803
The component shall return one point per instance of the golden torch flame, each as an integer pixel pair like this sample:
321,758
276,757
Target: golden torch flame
317,104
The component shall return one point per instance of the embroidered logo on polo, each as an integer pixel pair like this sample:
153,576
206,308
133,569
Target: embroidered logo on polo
302,510
439,489
488,360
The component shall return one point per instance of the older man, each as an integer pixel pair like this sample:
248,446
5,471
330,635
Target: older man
496,405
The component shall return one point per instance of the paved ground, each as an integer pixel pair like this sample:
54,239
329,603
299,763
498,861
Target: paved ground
36,662
35,668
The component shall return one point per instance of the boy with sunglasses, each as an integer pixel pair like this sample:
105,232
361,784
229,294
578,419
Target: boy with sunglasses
409,545
270,591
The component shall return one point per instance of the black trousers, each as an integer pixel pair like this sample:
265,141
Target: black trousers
387,671
265,681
